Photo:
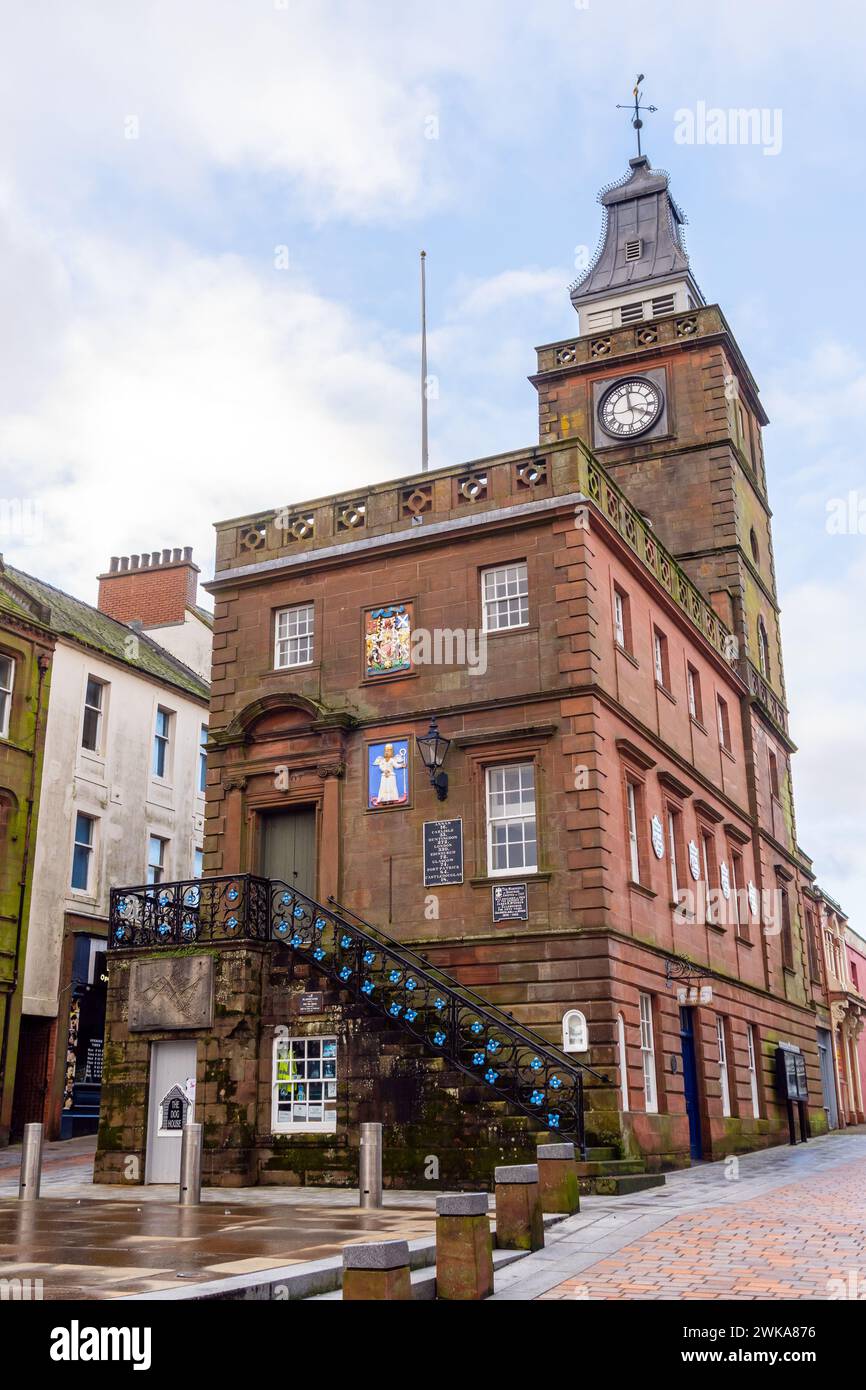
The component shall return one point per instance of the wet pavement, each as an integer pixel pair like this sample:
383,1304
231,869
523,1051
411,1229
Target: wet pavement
105,1248
95,1241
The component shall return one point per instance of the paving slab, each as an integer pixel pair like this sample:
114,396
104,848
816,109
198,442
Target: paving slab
105,1249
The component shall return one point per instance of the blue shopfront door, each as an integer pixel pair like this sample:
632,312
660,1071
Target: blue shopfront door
690,1081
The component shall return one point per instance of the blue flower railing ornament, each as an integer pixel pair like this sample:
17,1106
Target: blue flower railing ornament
478,1039
506,1060
228,908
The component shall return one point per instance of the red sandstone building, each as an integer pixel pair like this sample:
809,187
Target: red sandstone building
593,622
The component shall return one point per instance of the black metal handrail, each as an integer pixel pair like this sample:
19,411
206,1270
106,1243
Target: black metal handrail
512,1063
508,1060
453,983
227,907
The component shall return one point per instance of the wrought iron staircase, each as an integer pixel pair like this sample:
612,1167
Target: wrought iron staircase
451,1020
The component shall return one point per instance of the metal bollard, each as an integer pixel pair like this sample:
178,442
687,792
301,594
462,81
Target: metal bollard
190,1166
30,1179
370,1175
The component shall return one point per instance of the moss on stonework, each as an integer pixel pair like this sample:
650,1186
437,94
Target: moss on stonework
120,1096
218,1071
111,1138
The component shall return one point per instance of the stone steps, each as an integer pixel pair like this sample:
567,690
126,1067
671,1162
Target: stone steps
610,1167
621,1186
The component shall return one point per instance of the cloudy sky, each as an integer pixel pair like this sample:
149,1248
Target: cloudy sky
210,217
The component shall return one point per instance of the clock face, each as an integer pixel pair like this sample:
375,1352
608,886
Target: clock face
629,407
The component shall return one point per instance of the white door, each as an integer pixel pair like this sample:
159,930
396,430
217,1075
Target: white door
171,1104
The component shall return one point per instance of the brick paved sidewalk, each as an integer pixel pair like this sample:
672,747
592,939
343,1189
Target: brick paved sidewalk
781,1223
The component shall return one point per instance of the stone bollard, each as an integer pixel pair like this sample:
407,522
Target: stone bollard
519,1220
557,1178
378,1270
464,1247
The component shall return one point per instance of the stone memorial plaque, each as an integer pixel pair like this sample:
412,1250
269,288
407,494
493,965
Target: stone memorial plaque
443,852
172,992
510,902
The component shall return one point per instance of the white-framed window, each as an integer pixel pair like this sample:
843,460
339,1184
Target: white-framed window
693,682
660,658
648,1055
619,617
673,837
724,1081
202,759
505,597
162,742
82,852
708,860
575,1035
7,682
293,636
724,724
623,1061
304,1085
94,710
197,862
753,1071
631,799
156,847
511,826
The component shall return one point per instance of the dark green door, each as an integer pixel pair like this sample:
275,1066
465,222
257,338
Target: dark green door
288,848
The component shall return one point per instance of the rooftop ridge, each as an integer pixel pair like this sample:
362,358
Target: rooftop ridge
186,678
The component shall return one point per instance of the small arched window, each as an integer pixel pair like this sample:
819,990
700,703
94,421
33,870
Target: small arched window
753,542
575,1036
763,649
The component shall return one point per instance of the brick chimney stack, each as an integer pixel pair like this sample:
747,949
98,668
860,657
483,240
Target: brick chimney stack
151,589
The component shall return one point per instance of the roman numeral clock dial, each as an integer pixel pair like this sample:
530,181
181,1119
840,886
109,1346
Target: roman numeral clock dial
630,407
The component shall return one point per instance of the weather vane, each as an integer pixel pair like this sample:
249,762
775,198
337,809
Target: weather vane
637,108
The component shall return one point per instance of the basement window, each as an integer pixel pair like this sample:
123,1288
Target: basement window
304,1085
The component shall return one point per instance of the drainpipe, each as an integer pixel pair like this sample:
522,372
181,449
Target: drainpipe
43,663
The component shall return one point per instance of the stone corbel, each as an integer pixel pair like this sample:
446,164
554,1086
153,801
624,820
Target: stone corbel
235,782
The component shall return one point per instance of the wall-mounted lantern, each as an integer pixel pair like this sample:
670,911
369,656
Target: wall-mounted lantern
433,749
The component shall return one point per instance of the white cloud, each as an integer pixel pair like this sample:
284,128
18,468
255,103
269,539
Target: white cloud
825,642
500,291
152,384
189,389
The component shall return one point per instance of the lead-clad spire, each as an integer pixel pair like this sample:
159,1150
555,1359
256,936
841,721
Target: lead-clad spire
641,252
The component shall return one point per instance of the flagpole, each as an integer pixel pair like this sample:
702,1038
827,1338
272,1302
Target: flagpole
425,458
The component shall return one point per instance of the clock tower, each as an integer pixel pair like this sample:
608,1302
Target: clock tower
657,386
